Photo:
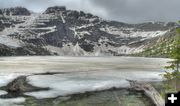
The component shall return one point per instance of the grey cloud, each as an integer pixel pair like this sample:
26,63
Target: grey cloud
140,10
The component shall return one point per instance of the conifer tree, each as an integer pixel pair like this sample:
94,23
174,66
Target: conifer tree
175,63
175,53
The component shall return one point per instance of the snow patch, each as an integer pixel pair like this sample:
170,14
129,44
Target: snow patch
67,49
149,34
131,33
3,92
8,41
128,50
85,26
63,19
75,32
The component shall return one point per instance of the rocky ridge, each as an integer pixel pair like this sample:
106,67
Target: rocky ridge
74,33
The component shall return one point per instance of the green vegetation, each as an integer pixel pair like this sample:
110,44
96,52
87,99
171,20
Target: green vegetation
167,46
161,46
175,53
173,78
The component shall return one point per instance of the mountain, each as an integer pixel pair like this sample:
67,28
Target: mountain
59,31
15,11
162,46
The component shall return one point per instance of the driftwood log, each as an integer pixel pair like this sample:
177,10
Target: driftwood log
149,91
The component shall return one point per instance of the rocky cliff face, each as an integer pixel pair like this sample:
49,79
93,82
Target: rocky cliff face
15,11
67,32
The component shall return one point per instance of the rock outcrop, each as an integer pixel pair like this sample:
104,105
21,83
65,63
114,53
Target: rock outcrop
55,10
20,85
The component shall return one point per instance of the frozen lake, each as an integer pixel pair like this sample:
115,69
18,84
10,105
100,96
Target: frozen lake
30,65
79,74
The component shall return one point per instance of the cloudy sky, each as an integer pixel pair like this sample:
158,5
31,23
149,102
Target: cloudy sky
130,11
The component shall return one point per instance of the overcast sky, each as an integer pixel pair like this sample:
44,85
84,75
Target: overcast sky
129,11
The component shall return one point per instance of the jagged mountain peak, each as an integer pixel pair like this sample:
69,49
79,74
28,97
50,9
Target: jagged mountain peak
15,11
55,9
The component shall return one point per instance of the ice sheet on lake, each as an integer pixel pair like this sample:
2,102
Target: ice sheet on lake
5,78
80,74
37,64
62,85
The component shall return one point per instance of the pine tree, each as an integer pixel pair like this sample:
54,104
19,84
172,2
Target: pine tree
175,52
174,64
